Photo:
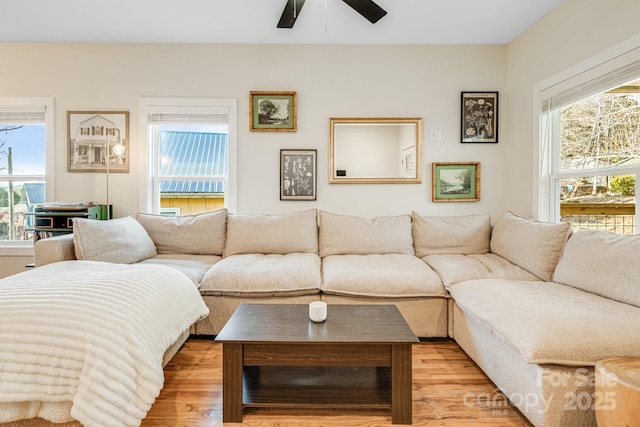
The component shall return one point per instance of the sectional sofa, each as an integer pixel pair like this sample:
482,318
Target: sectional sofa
534,304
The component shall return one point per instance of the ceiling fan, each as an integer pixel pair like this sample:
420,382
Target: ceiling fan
367,8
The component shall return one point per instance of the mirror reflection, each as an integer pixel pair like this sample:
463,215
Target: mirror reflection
375,150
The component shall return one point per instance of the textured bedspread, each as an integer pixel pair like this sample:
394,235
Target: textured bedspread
85,339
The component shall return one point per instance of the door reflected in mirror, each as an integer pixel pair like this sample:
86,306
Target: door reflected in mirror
375,150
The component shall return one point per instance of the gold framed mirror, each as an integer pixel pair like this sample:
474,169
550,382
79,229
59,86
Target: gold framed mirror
375,150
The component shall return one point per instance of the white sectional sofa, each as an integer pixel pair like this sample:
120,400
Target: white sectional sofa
532,303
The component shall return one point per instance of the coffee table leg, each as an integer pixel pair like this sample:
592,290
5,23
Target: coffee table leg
231,383
401,384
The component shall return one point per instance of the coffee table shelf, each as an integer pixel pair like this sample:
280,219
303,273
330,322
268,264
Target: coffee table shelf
317,387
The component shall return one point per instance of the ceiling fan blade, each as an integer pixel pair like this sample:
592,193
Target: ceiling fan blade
289,16
368,9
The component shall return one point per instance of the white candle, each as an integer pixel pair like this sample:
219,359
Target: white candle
318,311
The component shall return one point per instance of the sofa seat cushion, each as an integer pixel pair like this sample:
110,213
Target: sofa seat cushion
604,263
263,275
380,275
194,266
455,268
551,323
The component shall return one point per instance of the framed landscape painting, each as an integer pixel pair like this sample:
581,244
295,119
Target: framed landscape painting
298,174
272,111
456,182
479,117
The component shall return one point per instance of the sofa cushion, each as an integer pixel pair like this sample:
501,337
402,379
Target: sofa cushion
468,234
272,234
380,275
534,245
604,263
456,268
121,240
344,234
551,323
202,234
194,266
259,275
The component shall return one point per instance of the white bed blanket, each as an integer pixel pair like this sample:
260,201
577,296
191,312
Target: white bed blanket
90,335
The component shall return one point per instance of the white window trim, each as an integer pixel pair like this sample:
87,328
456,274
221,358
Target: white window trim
25,248
148,106
543,191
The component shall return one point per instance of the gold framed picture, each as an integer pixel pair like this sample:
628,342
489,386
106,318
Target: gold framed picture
272,111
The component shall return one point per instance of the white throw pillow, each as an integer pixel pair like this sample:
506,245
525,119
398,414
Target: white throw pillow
439,235
533,245
202,234
272,234
121,241
602,263
344,234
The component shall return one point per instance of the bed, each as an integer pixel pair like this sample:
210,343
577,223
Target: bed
86,341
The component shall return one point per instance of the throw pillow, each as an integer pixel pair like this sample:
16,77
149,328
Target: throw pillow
272,234
121,241
533,245
440,235
344,234
202,234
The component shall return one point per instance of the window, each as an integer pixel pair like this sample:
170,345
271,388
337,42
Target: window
590,148
26,155
190,153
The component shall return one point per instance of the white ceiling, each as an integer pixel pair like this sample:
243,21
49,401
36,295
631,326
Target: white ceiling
254,21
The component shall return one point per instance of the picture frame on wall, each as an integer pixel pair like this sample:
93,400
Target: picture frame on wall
479,117
456,182
272,111
298,174
95,137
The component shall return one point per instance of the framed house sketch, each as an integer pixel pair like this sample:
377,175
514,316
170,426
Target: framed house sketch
97,137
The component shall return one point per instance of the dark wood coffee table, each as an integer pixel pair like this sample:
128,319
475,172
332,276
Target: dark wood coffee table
274,356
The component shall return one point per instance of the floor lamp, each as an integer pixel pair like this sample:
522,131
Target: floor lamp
118,150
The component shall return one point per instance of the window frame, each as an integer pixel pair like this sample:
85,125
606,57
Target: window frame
149,185
581,81
26,105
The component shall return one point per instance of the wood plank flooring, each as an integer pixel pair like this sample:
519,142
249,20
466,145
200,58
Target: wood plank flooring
449,390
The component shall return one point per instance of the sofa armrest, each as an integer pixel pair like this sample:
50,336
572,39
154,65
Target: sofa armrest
54,249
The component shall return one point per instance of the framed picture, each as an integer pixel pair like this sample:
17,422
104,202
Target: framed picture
456,182
298,174
272,111
95,138
479,117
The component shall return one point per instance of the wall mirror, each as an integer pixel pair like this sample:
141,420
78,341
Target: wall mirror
375,150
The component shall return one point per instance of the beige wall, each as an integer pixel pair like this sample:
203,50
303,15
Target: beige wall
572,33
331,81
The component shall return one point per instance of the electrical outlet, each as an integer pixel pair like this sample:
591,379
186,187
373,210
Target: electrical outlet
436,135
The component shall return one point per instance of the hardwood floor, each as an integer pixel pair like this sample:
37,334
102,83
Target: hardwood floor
449,390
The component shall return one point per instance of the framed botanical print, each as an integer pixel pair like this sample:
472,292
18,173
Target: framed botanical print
298,174
272,111
479,117
456,182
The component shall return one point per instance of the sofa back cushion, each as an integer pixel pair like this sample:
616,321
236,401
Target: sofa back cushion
602,263
344,234
272,234
440,235
202,234
121,240
533,245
